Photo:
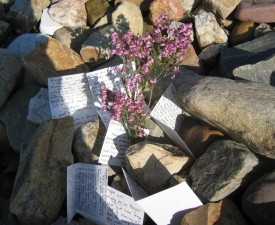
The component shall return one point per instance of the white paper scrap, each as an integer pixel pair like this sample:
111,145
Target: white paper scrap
48,25
70,96
168,115
115,144
169,206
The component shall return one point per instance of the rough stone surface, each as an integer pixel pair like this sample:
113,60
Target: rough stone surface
242,32
96,9
73,37
262,30
249,52
119,183
4,141
47,24
259,201
14,116
153,164
211,53
88,141
221,7
243,110
172,7
260,13
53,59
4,30
40,185
39,107
97,48
222,169
10,72
188,6
24,14
70,13
223,212
199,138
128,15
262,72
208,30
25,43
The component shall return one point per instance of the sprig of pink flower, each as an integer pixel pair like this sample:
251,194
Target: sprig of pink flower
156,54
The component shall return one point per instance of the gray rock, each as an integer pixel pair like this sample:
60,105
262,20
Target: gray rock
243,110
153,164
188,8
4,30
224,168
88,141
73,37
25,43
10,72
261,72
259,201
24,14
262,30
39,107
223,212
40,185
97,48
7,4
4,141
249,52
14,116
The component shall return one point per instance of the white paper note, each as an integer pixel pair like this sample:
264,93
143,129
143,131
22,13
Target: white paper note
70,96
86,190
111,80
89,195
114,146
168,115
122,209
169,206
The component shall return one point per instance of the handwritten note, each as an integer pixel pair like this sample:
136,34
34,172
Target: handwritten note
86,190
167,110
168,115
89,195
114,146
122,209
71,96
111,80
170,205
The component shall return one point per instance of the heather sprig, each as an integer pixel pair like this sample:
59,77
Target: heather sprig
156,55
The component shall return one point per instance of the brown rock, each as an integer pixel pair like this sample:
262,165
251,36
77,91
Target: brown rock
96,9
259,12
220,213
190,59
53,59
199,138
242,32
40,184
153,164
171,7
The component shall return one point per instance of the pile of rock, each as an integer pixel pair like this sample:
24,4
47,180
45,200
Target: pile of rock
225,86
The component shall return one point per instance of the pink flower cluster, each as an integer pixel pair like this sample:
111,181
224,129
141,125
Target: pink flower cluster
129,111
156,55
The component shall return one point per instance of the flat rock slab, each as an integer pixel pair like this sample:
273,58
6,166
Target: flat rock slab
244,110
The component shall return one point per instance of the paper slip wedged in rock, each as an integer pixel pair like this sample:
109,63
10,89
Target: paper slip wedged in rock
114,146
165,207
71,96
111,80
168,115
169,206
89,195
